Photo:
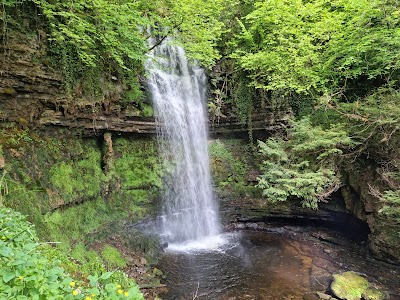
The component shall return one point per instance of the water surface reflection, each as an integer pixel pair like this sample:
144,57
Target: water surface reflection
251,265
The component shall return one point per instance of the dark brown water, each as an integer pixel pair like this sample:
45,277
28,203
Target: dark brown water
267,265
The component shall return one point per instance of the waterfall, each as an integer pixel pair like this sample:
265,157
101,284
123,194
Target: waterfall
178,90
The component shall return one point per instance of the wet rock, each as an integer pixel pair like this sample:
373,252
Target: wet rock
325,264
320,278
349,286
374,294
383,241
31,89
323,296
311,297
163,246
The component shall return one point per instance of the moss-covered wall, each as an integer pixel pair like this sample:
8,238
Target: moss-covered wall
80,204
234,168
61,185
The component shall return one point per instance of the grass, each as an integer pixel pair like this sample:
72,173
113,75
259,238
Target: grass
112,258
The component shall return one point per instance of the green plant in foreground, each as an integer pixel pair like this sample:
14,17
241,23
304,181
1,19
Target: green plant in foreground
28,273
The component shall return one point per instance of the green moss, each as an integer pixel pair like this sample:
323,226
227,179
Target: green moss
138,166
46,173
349,286
78,178
374,294
78,222
59,184
230,165
112,257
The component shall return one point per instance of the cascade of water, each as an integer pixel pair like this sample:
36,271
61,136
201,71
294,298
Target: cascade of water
178,90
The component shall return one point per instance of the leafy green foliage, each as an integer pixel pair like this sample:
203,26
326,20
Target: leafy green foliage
374,122
391,208
101,45
243,97
364,42
276,46
199,28
389,212
305,165
338,50
98,29
28,273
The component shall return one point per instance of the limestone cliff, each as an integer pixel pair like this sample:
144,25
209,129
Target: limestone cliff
32,94
361,201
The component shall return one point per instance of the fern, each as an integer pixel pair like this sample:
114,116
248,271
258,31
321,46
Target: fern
304,166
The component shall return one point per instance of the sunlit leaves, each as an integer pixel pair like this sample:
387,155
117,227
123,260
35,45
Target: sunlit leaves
98,30
199,26
277,47
365,42
315,47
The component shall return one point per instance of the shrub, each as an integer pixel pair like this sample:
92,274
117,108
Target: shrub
28,273
304,166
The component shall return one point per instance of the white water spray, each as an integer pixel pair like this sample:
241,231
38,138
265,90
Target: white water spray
178,89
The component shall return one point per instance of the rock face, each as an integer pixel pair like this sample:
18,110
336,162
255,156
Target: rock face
264,121
383,239
33,95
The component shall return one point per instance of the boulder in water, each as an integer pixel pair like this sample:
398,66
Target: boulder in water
373,293
349,286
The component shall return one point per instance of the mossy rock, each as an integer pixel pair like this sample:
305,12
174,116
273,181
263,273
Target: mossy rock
374,294
349,286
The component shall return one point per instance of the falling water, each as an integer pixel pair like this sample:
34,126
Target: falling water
178,90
